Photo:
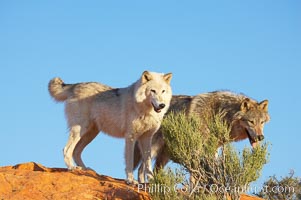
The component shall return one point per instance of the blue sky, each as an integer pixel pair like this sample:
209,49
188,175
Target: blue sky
253,47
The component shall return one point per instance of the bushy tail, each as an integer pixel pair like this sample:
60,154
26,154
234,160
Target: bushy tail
59,90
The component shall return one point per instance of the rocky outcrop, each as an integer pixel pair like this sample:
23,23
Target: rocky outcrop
34,181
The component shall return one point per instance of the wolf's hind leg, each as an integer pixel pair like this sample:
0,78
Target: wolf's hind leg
85,139
141,175
74,137
162,158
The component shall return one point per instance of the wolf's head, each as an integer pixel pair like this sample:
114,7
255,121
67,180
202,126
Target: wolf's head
252,117
155,91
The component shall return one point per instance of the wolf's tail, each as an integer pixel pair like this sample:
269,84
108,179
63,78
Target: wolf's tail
59,90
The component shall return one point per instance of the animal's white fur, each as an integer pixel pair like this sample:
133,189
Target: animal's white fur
134,112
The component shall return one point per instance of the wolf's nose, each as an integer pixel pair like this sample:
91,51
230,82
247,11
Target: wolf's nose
260,137
162,105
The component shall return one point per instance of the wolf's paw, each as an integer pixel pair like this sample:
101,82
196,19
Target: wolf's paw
131,182
75,168
150,176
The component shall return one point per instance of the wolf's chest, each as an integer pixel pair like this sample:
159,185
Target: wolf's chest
145,124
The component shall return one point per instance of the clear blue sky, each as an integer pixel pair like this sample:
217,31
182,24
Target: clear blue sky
252,47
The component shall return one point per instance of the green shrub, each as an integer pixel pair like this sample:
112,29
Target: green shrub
194,146
166,184
288,188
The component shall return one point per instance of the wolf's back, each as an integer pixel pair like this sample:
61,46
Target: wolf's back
58,89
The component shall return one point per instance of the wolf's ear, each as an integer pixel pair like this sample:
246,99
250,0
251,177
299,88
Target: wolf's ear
246,105
146,76
264,105
167,77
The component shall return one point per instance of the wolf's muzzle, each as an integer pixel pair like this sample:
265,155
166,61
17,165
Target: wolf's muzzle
162,105
260,137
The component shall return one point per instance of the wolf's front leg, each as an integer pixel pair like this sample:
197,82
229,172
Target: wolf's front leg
145,148
129,160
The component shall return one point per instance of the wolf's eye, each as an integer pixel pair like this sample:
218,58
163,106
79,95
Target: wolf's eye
163,91
153,91
251,121
262,122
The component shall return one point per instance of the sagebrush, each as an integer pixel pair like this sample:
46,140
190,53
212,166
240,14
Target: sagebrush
213,173
288,188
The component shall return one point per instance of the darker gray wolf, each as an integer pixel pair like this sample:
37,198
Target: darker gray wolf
244,115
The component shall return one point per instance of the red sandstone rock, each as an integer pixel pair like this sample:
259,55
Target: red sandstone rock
36,182
248,197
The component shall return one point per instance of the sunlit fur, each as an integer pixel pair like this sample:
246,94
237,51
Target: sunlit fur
134,113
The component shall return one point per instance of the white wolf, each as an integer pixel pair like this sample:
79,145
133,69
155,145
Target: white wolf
134,112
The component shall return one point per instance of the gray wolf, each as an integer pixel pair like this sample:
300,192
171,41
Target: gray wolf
244,115
134,113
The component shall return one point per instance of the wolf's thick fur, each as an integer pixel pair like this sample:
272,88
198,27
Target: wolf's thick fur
245,116
134,112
